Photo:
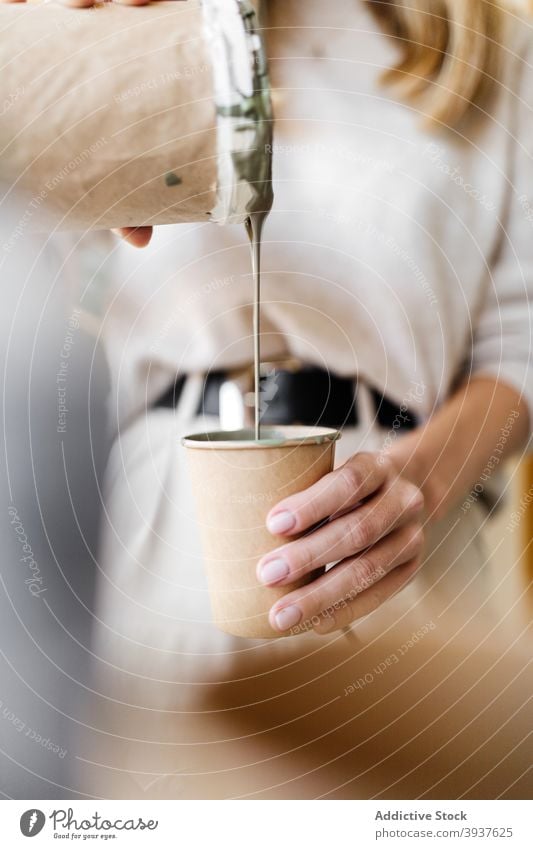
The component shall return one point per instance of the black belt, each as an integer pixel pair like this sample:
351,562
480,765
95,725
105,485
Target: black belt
307,396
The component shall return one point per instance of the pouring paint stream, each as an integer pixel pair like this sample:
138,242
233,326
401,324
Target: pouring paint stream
254,228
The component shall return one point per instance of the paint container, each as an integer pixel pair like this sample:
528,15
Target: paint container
115,116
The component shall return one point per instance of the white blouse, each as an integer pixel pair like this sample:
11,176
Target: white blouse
391,253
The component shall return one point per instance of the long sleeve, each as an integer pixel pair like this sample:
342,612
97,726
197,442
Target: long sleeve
503,331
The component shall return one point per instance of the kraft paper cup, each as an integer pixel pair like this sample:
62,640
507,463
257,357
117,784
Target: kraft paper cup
236,481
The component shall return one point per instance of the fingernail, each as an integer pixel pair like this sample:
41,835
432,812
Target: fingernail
273,571
414,500
279,523
287,617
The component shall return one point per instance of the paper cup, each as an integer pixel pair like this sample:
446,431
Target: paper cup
236,482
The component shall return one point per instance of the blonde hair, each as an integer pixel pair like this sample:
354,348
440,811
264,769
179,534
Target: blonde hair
450,53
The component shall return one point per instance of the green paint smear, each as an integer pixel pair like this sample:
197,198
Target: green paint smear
255,113
172,179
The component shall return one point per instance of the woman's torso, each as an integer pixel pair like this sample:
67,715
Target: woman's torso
375,253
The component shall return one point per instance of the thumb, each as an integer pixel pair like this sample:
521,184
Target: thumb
139,237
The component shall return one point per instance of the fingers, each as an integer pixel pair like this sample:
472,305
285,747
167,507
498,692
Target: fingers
343,537
334,493
85,4
352,588
77,4
338,617
139,237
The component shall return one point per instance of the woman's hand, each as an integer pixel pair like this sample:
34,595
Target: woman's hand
369,519
139,237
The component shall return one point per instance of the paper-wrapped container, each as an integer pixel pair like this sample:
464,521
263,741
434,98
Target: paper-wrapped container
116,116
236,482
